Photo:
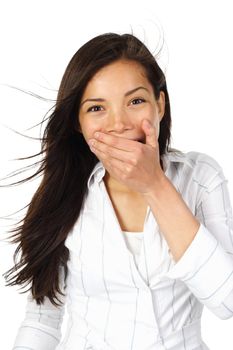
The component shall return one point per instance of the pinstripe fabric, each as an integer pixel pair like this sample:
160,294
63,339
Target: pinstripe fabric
115,304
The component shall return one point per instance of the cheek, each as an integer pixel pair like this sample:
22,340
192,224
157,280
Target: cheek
152,116
88,128
148,112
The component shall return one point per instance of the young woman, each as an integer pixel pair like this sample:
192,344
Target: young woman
134,237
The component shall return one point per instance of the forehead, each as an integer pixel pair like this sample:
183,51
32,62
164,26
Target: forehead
122,64
121,72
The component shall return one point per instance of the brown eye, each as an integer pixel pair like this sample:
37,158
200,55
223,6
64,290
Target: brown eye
138,99
90,109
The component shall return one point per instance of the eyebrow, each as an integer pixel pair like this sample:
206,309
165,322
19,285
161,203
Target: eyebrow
102,99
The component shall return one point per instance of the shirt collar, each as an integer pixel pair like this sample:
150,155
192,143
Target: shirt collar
97,174
175,156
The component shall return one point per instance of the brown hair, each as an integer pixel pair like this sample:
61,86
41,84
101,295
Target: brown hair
67,163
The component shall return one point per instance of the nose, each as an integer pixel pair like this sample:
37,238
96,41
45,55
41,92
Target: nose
118,121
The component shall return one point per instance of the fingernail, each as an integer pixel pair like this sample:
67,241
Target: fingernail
91,142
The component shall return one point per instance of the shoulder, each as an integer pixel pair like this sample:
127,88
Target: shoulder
202,168
203,160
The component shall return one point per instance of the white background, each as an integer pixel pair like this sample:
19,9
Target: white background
37,41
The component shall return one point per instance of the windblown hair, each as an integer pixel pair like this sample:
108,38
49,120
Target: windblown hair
67,163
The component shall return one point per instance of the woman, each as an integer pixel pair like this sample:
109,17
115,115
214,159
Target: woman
133,236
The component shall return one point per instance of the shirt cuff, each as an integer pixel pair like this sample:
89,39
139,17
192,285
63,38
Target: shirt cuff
206,268
32,335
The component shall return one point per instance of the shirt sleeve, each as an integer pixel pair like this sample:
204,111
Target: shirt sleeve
206,267
41,327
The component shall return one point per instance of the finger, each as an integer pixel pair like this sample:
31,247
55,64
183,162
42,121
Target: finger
101,155
106,158
119,170
115,166
112,152
116,141
118,167
150,132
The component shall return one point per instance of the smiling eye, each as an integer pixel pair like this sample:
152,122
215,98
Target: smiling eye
138,99
90,109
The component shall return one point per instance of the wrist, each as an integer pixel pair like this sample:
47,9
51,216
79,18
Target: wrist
160,183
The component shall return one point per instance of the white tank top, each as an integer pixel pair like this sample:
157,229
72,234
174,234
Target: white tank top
134,241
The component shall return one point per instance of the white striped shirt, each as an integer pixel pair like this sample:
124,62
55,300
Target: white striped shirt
114,303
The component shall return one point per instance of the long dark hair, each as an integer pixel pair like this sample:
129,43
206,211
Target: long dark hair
67,163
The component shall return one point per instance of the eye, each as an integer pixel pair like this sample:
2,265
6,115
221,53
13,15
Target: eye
138,99
90,109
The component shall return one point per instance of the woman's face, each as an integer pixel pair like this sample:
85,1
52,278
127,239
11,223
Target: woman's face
118,105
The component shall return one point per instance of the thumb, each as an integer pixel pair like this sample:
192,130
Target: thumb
150,132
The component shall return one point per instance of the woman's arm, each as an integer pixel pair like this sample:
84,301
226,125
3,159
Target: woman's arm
206,264
41,327
176,221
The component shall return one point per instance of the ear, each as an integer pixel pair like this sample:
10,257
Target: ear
161,105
